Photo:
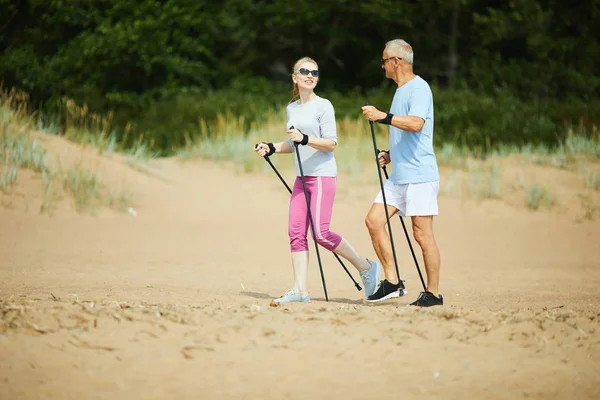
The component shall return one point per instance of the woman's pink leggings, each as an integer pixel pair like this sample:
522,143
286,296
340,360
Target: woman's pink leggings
321,192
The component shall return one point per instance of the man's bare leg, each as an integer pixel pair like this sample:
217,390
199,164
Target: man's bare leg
423,234
376,224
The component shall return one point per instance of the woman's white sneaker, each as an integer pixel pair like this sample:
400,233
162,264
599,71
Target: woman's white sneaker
370,277
293,296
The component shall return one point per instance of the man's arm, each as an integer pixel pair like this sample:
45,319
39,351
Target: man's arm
419,106
408,123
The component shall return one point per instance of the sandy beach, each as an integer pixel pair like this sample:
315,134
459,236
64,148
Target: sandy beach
172,299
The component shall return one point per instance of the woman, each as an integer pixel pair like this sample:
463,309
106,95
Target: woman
314,129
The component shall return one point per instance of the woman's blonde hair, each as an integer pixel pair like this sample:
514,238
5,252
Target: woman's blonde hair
295,91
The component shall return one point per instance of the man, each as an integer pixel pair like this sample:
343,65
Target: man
413,187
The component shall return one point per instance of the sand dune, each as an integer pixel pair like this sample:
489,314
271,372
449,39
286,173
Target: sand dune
174,302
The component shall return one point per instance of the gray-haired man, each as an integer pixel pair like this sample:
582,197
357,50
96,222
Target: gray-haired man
413,186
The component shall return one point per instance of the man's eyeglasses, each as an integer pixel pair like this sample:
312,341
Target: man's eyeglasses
384,60
305,72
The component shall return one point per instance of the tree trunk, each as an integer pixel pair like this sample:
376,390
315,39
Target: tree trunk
452,52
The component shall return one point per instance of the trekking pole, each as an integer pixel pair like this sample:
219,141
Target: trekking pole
358,287
387,215
310,219
407,237
277,172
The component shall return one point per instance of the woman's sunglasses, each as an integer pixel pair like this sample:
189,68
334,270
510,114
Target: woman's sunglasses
305,72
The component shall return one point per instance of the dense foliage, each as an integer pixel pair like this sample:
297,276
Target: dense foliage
503,71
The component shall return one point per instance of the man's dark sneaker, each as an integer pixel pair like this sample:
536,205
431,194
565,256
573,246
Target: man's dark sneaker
428,299
387,290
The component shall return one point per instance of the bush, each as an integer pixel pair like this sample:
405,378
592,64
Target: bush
473,120
462,117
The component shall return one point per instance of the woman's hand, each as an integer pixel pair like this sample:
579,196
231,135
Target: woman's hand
296,136
264,149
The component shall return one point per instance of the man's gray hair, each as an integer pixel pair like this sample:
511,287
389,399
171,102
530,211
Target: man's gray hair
400,48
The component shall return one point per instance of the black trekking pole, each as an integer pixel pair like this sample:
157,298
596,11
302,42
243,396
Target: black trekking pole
358,287
277,172
310,219
387,214
407,237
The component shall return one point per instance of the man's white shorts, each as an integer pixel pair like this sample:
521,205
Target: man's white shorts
412,199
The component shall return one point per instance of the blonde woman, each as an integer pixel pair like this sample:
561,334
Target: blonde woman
314,129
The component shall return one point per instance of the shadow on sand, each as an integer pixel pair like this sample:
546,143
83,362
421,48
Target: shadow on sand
266,296
398,302
257,295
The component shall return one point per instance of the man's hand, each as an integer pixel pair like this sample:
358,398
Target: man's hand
371,113
384,158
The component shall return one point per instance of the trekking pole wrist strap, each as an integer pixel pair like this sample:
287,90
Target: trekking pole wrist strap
304,140
387,120
271,148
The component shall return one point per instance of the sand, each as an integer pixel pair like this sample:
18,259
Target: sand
174,301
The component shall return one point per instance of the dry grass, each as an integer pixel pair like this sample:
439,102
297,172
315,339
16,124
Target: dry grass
538,195
467,175
21,149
